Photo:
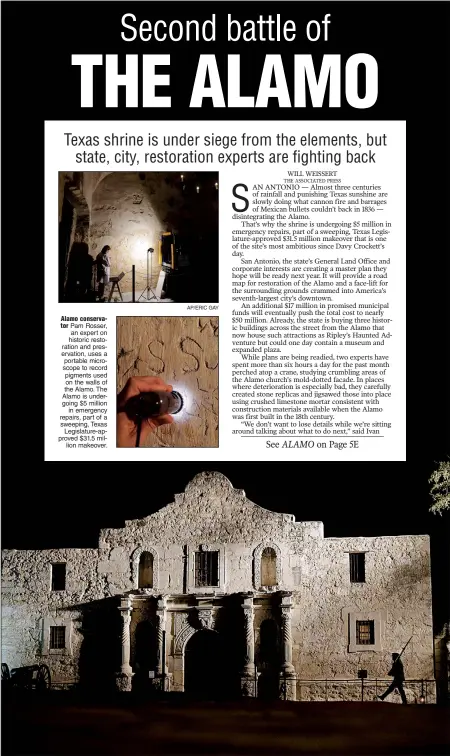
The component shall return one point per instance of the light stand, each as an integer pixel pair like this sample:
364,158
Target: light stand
148,292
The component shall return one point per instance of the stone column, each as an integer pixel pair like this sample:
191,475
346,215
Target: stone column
126,672
248,678
288,684
161,612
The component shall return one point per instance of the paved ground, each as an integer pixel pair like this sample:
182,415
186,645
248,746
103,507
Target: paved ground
60,725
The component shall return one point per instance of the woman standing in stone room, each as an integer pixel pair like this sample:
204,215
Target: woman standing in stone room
103,261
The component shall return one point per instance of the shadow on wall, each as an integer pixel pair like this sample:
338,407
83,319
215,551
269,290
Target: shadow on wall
229,626
100,652
145,656
442,665
268,659
403,580
79,273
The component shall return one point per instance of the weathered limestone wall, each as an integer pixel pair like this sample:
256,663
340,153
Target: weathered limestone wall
89,183
184,352
211,513
397,585
130,214
28,600
85,181
315,569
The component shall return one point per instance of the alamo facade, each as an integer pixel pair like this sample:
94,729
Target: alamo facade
215,596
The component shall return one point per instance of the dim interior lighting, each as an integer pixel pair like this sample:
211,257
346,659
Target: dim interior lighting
198,189
182,177
422,699
216,185
139,249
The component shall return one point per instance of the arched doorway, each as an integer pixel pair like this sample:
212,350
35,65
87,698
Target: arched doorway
204,666
269,660
145,655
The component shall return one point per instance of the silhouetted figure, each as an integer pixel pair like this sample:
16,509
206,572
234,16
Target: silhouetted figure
79,273
398,674
103,261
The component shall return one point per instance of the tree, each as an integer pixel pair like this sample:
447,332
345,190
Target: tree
440,487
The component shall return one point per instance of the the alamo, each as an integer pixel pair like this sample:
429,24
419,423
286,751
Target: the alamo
217,597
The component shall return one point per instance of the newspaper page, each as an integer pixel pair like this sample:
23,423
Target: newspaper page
225,258
305,227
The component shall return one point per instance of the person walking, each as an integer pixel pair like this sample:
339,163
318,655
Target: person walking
398,673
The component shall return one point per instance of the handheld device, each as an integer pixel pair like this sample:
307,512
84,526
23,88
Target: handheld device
153,403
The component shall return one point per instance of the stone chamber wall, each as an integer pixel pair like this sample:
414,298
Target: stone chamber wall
129,215
184,352
211,511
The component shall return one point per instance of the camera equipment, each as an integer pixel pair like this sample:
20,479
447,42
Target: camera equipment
152,404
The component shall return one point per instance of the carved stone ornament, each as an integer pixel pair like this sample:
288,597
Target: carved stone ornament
205,617
185,632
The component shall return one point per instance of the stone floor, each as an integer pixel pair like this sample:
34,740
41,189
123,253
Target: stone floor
127,297
61,724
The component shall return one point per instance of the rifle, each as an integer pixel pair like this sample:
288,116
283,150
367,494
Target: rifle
404,647
391,671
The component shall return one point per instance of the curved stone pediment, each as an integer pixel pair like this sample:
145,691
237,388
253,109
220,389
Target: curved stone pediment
210,511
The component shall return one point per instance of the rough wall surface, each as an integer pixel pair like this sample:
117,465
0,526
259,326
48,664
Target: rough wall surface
184,352
27,600
212,514
129,215
85,181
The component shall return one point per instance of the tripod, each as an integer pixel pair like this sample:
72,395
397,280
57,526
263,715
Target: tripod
148,293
